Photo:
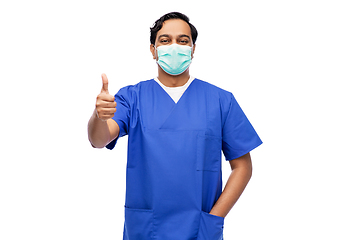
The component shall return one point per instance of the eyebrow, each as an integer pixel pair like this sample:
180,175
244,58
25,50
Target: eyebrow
164,35
184,35
180,36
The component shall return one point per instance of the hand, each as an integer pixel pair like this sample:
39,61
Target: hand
105,103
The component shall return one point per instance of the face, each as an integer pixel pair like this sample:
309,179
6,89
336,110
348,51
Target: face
173,31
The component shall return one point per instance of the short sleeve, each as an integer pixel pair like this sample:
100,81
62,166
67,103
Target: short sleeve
238,135
122,114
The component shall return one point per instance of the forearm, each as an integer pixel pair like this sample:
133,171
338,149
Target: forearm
239,178
98,132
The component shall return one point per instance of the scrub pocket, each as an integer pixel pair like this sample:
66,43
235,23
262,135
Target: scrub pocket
208,153
138,224
211,227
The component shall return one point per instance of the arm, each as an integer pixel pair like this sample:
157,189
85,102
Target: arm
101,132
101,128
240,176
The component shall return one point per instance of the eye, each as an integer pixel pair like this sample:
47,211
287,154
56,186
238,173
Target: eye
164,40
184,41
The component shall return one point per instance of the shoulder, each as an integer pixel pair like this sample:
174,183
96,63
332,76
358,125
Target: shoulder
134,89
214,91
130,94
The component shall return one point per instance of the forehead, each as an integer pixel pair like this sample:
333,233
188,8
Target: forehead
175,27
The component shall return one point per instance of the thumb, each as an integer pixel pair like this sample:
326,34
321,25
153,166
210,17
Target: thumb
105,83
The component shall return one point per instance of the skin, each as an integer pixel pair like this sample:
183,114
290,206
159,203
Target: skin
102,129
241,171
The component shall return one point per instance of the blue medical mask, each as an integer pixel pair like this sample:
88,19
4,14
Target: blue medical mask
174,59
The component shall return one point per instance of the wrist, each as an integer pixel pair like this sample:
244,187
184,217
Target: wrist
96,116
217,213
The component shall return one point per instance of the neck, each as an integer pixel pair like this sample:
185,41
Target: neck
173,81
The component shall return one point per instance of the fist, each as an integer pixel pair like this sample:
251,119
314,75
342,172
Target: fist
105,103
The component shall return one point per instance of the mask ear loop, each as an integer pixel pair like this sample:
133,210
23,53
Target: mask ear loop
155,53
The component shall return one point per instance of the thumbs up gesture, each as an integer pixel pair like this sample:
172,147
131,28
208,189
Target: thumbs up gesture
105,103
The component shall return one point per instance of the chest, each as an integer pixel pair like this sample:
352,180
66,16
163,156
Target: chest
197,110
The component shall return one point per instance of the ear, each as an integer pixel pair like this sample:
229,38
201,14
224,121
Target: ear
193,50
153,50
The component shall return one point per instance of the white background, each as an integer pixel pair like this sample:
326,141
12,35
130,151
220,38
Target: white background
294,67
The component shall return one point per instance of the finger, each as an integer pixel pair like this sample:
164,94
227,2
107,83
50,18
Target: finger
103,107
106,97
105,112
109,111
106,105
105,83
105,116
112,110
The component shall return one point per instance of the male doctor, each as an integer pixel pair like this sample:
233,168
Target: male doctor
177,127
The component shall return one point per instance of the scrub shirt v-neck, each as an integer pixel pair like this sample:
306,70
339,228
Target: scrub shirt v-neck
175,92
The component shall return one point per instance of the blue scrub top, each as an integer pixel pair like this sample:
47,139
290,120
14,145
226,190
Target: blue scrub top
173,175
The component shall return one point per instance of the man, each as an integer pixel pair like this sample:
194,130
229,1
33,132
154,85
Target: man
177,127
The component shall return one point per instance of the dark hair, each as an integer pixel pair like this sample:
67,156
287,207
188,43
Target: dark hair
173,15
